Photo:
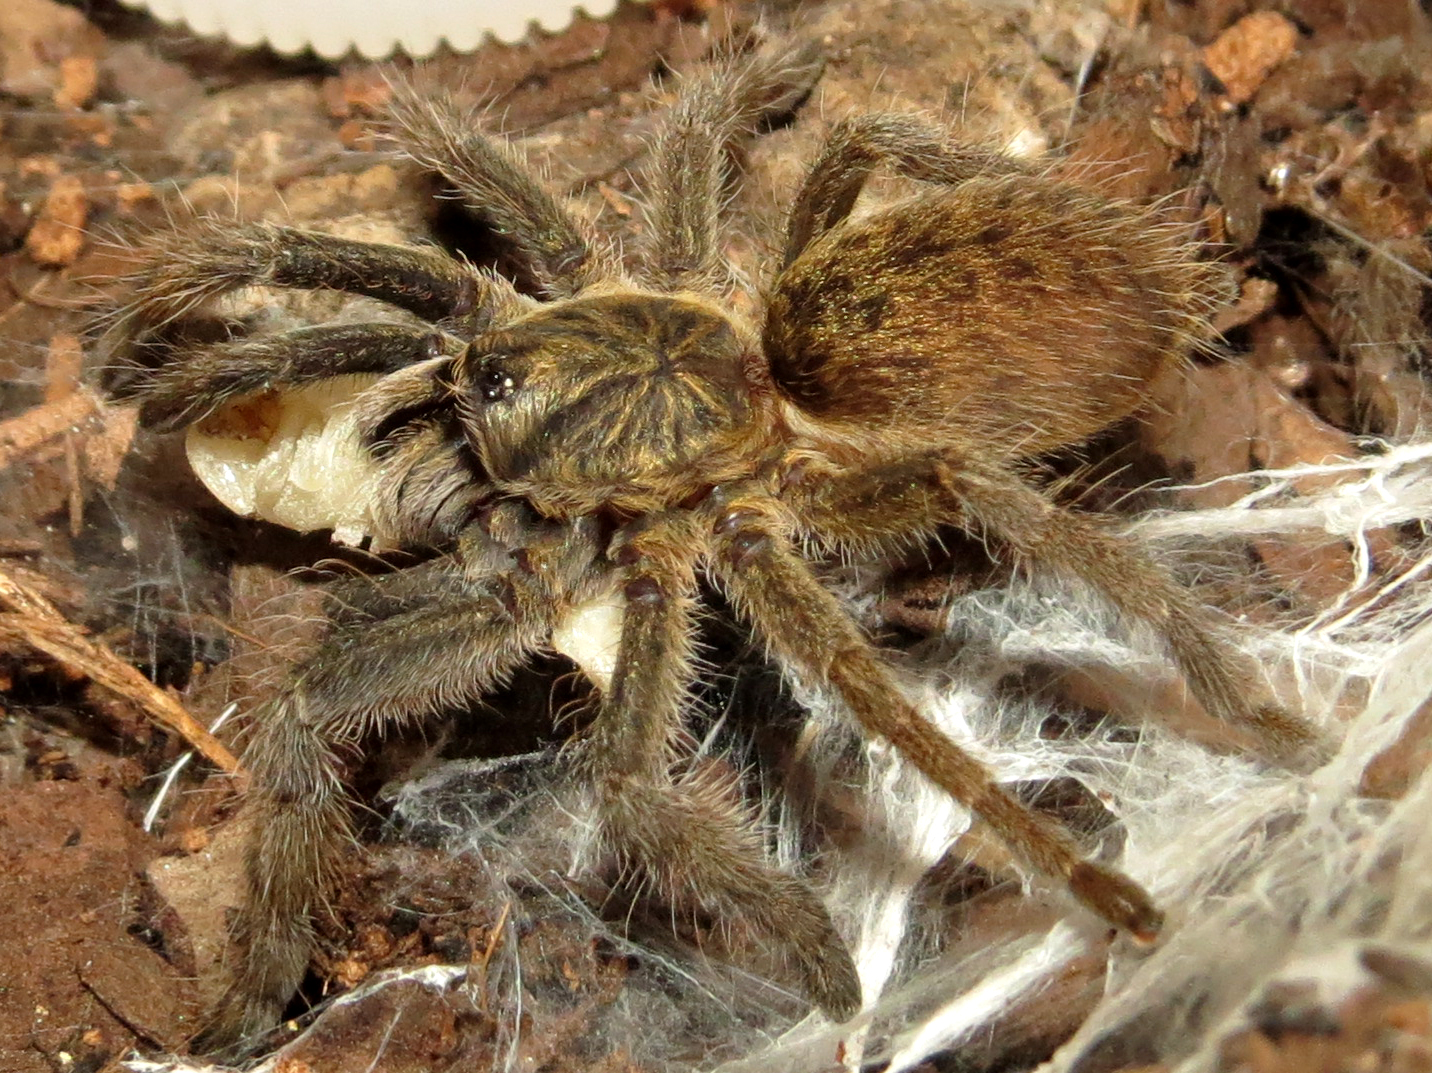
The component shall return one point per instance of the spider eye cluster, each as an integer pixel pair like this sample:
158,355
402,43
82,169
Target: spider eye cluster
495,384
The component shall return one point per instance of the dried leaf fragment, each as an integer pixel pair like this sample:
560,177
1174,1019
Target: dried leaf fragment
1393,771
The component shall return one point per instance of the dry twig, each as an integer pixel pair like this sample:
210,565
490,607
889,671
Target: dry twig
30,618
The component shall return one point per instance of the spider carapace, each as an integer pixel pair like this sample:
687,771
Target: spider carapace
624,401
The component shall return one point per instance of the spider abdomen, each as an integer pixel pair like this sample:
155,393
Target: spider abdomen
1021,311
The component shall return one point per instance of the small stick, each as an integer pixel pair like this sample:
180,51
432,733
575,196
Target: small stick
493,938
34,620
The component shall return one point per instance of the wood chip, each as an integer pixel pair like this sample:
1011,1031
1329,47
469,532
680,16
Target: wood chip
63,361
131,982
104,451
39,425
79,78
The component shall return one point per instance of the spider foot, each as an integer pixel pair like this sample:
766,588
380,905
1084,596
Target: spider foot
831,982
236,1028
1118,899
1290,741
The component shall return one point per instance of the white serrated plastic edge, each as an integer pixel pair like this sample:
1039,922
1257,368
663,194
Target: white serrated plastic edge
375,29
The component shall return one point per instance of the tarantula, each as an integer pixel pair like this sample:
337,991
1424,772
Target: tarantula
603,439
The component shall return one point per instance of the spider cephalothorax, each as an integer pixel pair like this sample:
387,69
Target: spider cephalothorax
615,439
626,400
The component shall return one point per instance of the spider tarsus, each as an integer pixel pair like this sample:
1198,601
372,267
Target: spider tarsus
832,982
1118,899
1291,741
236,1031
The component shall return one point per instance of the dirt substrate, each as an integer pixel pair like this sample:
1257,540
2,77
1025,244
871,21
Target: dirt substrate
1295,136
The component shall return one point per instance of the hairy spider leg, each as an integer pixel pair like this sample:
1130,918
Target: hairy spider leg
690,833
909,145
694,159
494,183
211,376
393,652
148,336
809,631
919,493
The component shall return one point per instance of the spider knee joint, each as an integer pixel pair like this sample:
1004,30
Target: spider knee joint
744,545
645,591
742,535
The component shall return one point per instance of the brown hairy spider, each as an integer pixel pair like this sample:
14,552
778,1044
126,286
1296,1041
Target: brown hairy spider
617,436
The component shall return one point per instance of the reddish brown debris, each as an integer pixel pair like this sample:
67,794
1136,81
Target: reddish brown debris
58,234
79,79
1374,1030
1246,53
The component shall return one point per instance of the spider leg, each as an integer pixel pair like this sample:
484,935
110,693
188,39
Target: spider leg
809,631
365,675
178,394
911,146
493,182
917,494
692,158
192,268
688,832
397,647
215,257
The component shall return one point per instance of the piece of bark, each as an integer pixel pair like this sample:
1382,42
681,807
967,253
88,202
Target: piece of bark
39,425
